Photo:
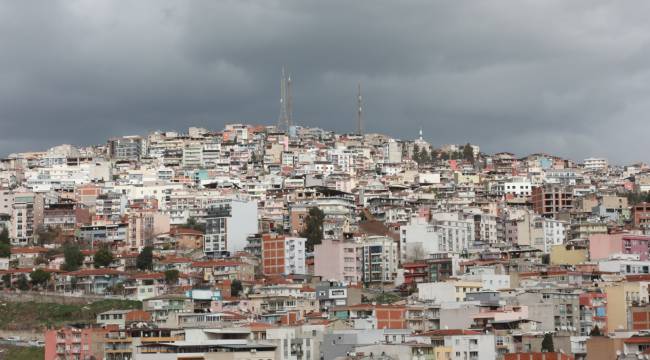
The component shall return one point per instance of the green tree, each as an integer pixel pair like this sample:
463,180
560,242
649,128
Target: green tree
103,257
595,331
5,250
72,256
236,288
171,276
5,246
40,277
313,229
386,298
47,235
4,235
192,223
6,281
145,258
416,153
22,282
468,152
547,343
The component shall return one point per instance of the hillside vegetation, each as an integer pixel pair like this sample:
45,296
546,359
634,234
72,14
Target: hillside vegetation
33,315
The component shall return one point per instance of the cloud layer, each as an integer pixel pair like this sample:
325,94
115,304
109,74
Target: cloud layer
565,77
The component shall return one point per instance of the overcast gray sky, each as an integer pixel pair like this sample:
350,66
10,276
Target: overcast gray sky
564,77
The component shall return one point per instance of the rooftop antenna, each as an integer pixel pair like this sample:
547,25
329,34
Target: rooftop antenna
284,119
359,111
289,103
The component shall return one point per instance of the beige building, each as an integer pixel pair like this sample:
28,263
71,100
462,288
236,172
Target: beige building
564,255
620,297
144,225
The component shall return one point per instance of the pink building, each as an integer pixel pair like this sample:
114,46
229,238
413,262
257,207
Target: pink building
73,343
336,260
602,246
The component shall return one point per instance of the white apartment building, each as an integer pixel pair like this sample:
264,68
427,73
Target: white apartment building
456,233
515,187
193,156
595,163
392,152
379,259
294,255
468,345
228,224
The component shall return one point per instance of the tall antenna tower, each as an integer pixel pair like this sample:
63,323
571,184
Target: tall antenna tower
359,111
289,103
284,121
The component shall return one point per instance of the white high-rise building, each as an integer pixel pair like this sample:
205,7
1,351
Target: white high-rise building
228,224
595,163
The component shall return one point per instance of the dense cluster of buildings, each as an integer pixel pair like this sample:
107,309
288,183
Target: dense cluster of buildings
414,251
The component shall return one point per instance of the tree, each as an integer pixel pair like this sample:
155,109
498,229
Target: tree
547,343
5,247
193,224
145,258
103,257
468,152
313,229
236,288
6,281
5,250
22,282
4,236
40,277
595,331
117,289
171,276
72,256
46,235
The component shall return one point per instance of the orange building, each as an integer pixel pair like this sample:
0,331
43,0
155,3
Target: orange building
390,317
640,317
273,254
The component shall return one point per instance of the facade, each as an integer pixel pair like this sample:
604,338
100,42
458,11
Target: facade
283,255
550,200
379,260
228,224
73,343
336,260
126,148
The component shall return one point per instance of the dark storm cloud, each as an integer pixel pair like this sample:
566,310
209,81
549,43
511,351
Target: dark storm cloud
566,77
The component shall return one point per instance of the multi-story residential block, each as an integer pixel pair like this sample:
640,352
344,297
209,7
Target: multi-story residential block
75,343
26,218
126,148
551,200
283,255
229,222
336,260
379,259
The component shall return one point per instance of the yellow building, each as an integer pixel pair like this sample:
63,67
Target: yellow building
560,255
461,178
620,297
464,287
442,353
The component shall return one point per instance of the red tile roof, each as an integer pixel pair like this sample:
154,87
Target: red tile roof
95,272
28,250
451,332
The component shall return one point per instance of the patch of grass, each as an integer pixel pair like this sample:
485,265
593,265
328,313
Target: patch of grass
33,315
386,298
21,352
